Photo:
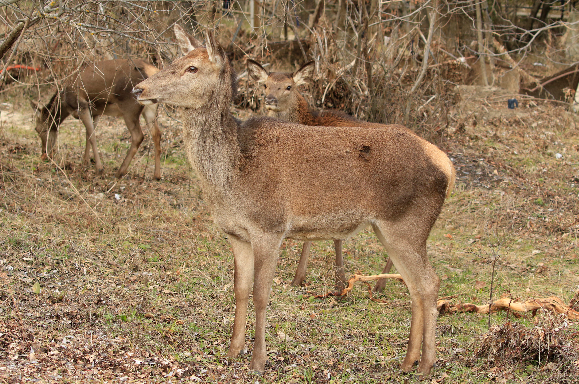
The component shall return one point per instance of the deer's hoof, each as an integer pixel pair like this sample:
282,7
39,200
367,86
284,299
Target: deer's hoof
407,364
380,285
234,352
257,366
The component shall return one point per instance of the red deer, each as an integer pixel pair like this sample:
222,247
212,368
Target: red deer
266,180
103,88
283,101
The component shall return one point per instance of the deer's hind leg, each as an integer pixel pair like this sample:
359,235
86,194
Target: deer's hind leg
300,275
381,283
339,268
406,247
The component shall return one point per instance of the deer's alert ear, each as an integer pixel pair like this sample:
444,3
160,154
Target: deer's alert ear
212,47
256,71
305,73
186,42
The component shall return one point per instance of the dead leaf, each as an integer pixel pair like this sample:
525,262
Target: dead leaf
480,284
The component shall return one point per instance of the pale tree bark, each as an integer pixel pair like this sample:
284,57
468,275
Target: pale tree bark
479,35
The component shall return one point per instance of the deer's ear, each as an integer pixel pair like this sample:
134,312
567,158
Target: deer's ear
212,47
36,106
305,73
256,71
186,42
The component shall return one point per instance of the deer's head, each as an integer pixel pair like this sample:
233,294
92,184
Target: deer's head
46,127
193,80
281,94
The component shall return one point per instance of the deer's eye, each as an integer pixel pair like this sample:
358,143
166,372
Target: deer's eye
289,87
265,86
192,69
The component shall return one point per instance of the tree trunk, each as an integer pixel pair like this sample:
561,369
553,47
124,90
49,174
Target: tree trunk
479,36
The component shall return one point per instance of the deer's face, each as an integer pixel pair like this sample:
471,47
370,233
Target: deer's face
46,131
280,92
187,82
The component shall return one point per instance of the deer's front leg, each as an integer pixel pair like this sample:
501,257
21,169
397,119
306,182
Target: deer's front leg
86,118
265,251
243,277
150,114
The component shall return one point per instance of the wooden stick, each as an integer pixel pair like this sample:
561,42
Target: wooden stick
363,278
553,304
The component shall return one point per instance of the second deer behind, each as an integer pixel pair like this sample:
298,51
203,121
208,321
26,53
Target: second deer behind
283,101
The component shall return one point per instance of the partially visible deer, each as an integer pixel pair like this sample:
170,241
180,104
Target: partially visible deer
266,180
283,101
103,88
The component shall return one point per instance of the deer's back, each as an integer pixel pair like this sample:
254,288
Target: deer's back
111,80
325,171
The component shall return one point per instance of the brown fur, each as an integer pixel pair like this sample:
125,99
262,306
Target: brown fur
103,88
263,180
285,102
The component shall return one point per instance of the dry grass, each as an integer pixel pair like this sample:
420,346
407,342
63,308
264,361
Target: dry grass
106,280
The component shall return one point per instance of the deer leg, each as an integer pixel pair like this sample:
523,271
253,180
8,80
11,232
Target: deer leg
132,121
430,315
243,277
265,252
86,158
340,274
408,253
86,118
51,143
300,276
381,284
150,114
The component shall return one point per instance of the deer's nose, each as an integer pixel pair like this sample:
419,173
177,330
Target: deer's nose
270,100
137,92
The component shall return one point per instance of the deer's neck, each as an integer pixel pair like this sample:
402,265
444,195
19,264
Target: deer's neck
300,113
213,147
304,112
57,110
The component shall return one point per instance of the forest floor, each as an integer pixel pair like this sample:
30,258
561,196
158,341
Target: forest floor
130,281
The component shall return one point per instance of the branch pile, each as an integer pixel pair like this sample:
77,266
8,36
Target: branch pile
553,304
550,342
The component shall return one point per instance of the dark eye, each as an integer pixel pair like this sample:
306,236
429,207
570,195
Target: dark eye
289,87
265,86
191,69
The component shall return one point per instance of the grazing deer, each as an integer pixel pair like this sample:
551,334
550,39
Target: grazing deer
103,88
266,180
284,102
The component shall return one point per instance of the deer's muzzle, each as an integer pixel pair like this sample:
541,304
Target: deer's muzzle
271,103
138,93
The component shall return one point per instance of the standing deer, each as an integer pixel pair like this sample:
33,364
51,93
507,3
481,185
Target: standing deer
284,102
266,180
103,88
